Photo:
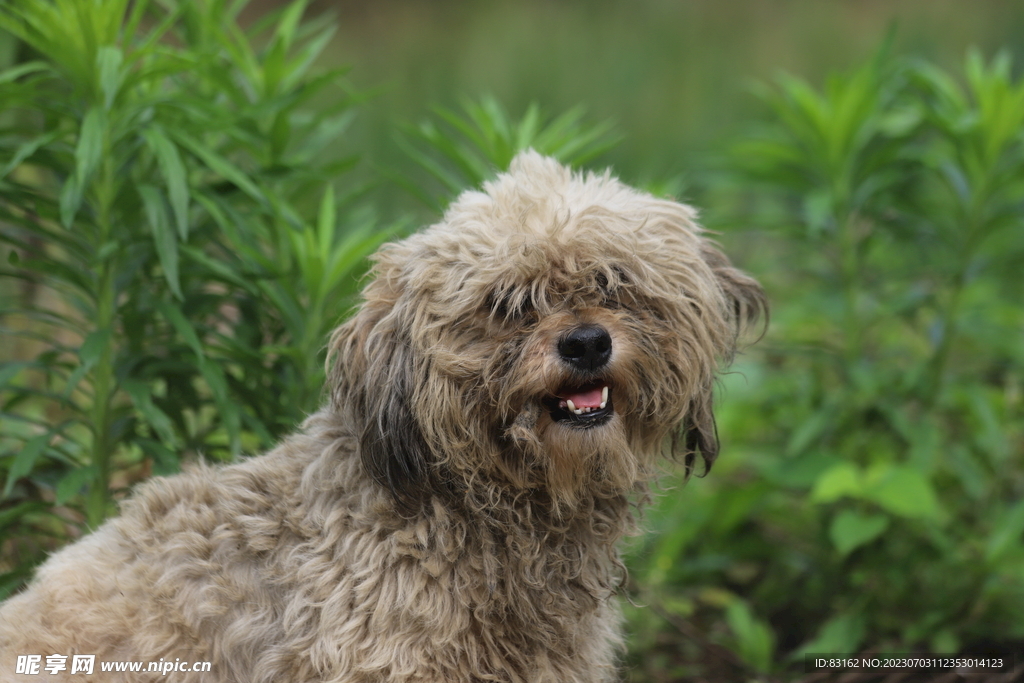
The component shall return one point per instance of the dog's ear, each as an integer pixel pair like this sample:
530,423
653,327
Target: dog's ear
698,434
745,297
745,303
372,380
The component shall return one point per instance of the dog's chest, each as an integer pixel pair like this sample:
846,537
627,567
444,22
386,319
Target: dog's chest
455,606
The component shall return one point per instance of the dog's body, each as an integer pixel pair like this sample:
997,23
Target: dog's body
452,513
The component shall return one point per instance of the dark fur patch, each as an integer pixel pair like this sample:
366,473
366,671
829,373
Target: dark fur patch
703,440
392,447
373,380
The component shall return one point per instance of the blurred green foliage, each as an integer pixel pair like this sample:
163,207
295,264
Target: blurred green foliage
673,75
177,247
871,493
463,150
159,184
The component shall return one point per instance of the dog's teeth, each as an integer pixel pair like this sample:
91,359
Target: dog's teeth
604,397
571,406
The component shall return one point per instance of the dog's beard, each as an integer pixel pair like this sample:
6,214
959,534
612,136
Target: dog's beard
569,455
598,459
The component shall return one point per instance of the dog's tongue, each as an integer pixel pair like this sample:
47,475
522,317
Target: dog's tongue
589,398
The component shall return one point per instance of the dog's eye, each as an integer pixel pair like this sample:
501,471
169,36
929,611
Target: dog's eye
509,305
611,281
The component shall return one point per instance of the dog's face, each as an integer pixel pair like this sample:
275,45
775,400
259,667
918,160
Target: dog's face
551,335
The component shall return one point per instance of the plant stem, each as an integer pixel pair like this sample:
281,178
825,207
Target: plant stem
103,379
974,230
950,317
849,271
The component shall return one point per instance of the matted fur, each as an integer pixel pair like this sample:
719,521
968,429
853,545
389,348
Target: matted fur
433,522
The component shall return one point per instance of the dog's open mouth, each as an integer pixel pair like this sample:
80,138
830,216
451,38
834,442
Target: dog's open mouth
581,406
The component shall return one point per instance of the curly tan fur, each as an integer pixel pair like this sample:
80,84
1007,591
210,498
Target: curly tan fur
442,518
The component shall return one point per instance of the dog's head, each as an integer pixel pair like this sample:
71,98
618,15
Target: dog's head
551,336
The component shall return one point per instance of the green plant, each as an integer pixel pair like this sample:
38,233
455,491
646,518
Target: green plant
461,151
158,197
869,493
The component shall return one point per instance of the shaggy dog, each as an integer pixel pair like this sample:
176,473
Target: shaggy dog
501,396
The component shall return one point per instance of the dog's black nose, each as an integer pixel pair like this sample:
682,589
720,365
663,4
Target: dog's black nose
587,348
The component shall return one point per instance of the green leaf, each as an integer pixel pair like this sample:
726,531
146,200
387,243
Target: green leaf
482,140
842,634
10,370
754,638
173,170
218,268
810,429
668,547
16,72
298,66
182,326
70,200
25,460
1008,533
164,239
73,482
108,60
90,144
961,460
945,641
280,135
325,223
357,245
989,430
844,479
850,530
15,514
93,347
903,491
229,413
321,136
142,399
285,31
165,461
27,149
218,164
73,379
